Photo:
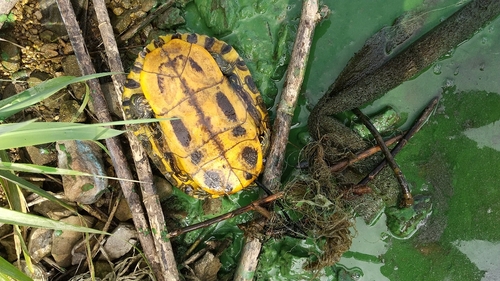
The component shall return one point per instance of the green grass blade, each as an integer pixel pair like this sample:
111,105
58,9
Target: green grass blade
22,219
14,104
32,188
7,269
31,168
41,132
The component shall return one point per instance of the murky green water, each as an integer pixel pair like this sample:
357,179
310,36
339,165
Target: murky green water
454,159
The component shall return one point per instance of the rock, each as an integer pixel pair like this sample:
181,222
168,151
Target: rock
207,267
163,188
69,110
40,155
64,241
11,56
52,210
123,212
70,67
83,156
35,271
40,243
121,241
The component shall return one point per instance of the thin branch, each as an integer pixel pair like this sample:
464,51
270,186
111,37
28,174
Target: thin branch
113,144
339,166
405,188
164,252
252,206
418,125
281,128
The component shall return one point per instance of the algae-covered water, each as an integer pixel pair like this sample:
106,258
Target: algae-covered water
454,159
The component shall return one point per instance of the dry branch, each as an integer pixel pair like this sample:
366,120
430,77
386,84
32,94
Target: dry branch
281,127
162,268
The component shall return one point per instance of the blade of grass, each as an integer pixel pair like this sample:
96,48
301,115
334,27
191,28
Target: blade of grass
32,188
8,270
16,135
18,218
32,168
16,103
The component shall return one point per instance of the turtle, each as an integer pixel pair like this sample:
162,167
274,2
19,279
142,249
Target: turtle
216,137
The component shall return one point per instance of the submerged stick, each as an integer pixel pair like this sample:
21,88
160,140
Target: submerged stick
340,166
403,183
414,129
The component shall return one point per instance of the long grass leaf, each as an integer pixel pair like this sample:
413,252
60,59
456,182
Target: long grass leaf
16,103
7,269
18,218
32,188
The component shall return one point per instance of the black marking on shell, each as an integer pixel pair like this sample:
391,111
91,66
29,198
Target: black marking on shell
181,132
132,84
229,188
241,65
248,176
239,131
137,67
225,49
196,157
158,43
194,65
226,106
212,179
250,155
209,43
192,38
176,36
251,84
235,81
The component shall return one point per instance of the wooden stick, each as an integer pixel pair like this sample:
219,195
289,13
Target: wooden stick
405,188
286,107
113,144
339,166
418,124
252,206
164,252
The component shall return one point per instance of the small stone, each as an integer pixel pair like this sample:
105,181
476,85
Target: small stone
40,155
49,50
64,241
207,267
52,210
40,243
118,11
68,112
123,212
11,56
70,67
83,156
121,241
163,188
